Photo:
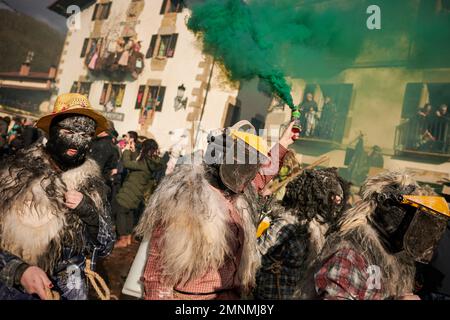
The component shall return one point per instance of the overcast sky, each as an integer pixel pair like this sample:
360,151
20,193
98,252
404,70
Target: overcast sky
38,9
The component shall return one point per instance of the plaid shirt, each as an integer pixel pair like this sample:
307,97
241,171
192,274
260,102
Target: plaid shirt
346,276
283,251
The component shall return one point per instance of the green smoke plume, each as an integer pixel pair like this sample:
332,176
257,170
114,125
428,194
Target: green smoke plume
308,39
272,39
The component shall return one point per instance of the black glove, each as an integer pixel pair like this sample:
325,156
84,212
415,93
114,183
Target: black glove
87,212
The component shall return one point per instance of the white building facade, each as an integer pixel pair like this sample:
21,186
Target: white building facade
132,58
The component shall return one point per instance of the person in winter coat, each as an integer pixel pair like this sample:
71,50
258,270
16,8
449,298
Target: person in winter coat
140,181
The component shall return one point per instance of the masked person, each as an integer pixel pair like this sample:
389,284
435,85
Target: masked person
54,209
202,219
308,213
373,254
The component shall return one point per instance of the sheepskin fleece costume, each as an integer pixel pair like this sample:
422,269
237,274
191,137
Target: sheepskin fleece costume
357,233
35,225
195,222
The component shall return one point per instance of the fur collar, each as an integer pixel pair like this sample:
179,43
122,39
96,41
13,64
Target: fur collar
34,218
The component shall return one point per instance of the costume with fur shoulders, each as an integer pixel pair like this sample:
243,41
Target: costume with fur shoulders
36,228
195,222
299,226
354,263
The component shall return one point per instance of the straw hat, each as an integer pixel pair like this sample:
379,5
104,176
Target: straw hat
73,103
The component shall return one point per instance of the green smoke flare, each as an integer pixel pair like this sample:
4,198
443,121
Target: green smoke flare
271,39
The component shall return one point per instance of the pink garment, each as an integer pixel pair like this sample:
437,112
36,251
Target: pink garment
224,281
93,62
122,144
123,61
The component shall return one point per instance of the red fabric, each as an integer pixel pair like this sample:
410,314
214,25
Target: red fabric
270,170
345,276
213,280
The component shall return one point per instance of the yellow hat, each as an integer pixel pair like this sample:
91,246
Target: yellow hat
73,103
254,141
431,204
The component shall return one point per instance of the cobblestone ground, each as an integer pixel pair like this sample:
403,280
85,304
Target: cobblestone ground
114,270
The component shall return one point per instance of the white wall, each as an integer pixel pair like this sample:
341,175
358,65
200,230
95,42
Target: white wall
183,68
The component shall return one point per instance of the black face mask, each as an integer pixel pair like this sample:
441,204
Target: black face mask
392,219
392,225
70,140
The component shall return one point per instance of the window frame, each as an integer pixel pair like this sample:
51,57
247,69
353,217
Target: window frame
77,85
156,42
107,90
102,11
151,92
167,6
165,37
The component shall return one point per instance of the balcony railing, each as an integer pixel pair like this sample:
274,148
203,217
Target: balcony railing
430,137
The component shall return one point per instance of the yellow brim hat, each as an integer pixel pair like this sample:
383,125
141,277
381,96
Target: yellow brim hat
73,103
431,204
254,141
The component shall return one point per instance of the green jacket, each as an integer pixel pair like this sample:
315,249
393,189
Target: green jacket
139,181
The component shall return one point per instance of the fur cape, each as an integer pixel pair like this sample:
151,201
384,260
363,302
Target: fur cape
357,233
195,221
35,225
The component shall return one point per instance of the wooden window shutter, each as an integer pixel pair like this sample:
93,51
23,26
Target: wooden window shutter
84,49
151,49
95,11
74,88
140,97
106,10
343,101
161,94
104,98
164,7
172,45
411,100
180,6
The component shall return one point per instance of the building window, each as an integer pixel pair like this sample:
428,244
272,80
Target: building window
424,126
84,48
170,6
101,11
324,111
162,46
112,96
90,46
81,87
150,98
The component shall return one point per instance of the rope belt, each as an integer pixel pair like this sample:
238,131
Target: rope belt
93,278
275,269
52,295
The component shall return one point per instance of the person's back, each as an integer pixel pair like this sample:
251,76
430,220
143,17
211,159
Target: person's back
106,154
30,135
139,183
